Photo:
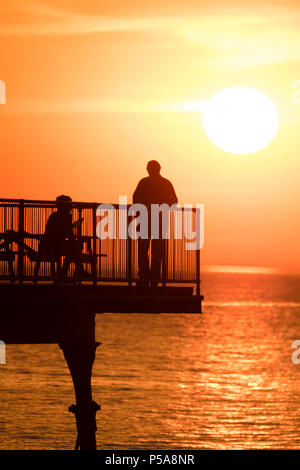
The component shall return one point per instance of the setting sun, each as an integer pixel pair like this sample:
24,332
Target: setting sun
240,120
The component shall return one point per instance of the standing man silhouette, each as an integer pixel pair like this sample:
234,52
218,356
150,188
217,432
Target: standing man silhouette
153,189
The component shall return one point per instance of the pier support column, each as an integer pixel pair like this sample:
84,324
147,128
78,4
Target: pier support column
80,356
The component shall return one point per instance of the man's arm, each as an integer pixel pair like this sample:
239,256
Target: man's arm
137,195
172,195
69,228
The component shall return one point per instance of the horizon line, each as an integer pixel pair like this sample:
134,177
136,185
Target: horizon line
246,269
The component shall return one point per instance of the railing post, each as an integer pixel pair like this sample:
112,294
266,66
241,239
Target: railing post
164,248
129,252
164,261
197,272
94,268
79,227
198,229
21,242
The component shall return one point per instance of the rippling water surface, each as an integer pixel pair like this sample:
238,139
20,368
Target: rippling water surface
222,380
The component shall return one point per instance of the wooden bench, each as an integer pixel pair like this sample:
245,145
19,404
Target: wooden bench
12,236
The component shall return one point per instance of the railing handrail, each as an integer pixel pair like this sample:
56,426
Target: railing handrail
4,202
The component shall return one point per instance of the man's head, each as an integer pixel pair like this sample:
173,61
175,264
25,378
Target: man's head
153,168
64,203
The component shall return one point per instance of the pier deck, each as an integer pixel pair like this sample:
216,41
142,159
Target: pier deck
52,314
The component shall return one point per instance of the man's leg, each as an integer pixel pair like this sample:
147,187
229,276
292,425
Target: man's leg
143,258
72,250
77,248
65,267
156,259
68,249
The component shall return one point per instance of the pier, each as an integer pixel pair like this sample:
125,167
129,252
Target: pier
38,305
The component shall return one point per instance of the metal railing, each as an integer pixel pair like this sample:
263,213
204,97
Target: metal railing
22,225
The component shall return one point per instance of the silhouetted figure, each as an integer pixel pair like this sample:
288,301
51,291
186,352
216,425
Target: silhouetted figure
153,189
59,238
7,254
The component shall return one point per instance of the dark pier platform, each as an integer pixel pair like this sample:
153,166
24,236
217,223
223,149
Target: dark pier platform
51,314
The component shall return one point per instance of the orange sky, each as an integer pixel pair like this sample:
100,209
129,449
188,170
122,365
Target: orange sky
95,89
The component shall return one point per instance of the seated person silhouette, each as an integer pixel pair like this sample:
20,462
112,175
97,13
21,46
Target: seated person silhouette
153,189
59,238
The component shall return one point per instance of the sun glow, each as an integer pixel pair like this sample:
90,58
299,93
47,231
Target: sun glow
240,269
240,120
